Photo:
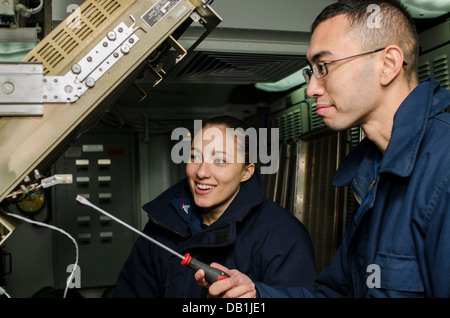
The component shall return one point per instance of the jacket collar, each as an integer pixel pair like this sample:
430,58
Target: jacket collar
410,123
167,211
161,211
425,101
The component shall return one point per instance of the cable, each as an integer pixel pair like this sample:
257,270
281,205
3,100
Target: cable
27,12
3,292
61,231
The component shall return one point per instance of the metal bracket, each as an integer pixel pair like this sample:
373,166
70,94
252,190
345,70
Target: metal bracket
24,89
62,89
21,89
181,54
177,46
141,91
156,74
108,51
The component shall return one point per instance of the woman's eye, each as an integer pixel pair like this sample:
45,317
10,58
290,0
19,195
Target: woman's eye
220,160
195,158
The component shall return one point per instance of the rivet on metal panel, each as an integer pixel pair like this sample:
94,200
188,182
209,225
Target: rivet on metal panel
90,82
112,36
8,88
125,49
68,89
76,69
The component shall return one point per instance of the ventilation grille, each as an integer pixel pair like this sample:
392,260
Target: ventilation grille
354,136
424,71
315,121
440,70
436,63
82,26
291,122
291,125
236,67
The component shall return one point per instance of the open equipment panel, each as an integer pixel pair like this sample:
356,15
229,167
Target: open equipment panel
73,76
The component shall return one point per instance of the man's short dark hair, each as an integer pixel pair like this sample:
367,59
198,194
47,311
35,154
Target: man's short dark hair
396,26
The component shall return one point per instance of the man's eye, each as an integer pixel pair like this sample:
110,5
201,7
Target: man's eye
321,67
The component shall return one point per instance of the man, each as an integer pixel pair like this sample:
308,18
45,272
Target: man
363,72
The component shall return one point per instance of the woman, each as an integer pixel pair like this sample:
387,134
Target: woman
218,213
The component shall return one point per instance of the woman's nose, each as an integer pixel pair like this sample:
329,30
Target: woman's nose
203,170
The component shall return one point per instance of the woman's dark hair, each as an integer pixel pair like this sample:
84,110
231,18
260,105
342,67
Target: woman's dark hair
241,130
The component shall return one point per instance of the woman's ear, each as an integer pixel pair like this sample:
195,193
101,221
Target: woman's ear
392,64
248,172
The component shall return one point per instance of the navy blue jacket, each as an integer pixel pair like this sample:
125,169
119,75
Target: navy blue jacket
398,244
254,235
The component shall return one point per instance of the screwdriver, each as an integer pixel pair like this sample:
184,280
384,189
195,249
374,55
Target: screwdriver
211,274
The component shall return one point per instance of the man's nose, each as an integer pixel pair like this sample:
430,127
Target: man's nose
315,87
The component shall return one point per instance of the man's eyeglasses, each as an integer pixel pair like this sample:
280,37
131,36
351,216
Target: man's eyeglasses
320,70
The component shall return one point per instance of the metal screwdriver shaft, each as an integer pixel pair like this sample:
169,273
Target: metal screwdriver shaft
211,274
84,201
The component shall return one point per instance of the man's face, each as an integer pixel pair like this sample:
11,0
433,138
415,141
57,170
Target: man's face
347,96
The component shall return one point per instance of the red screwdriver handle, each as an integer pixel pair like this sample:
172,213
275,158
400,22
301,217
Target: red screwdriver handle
211,274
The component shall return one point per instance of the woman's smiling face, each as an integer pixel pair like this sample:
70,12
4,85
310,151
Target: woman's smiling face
216,170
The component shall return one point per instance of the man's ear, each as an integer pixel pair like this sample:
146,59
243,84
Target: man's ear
249,170
392,64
